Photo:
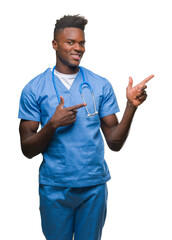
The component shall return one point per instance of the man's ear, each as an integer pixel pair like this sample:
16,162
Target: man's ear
55,45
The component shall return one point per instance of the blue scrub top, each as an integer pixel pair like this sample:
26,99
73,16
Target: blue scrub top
75,154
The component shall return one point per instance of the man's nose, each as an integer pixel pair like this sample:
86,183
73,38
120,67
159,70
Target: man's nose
77,47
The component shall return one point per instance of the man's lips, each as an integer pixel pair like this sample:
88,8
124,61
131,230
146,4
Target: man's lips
76,56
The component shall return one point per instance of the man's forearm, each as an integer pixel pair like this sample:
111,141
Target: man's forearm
120,132
37,142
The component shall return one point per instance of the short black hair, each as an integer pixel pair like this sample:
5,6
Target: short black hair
75,21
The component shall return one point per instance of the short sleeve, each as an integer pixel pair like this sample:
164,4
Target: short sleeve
109,104
28,107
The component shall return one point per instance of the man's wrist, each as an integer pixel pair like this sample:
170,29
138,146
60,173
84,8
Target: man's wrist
131,105
54,125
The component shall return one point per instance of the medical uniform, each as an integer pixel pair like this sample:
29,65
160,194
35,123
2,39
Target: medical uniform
73,168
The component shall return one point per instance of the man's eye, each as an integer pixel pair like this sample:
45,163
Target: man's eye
82,44
70,43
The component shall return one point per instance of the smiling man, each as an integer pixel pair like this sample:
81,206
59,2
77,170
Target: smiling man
72,103
69,44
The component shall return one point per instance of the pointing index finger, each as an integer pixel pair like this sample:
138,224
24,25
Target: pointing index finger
77,106
147,79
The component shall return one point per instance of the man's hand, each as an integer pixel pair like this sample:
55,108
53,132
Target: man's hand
65,116
137,95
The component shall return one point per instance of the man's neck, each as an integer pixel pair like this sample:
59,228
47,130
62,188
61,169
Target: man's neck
66,69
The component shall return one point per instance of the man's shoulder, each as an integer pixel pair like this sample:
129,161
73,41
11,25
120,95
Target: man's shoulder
102,81
37,82
94,75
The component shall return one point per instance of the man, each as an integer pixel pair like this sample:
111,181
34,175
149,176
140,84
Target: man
72,103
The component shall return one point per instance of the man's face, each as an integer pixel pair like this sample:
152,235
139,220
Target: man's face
69,45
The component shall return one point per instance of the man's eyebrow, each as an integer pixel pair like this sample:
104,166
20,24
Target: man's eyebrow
69,39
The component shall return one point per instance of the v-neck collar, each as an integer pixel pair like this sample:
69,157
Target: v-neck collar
63,87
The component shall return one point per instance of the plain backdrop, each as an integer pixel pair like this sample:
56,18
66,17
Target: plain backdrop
123,38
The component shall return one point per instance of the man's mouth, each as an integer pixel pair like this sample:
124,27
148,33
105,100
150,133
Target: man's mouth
76,56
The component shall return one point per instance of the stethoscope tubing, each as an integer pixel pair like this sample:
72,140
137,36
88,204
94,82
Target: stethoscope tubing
58,97
80,90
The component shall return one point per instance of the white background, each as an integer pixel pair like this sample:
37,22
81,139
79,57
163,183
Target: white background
124,38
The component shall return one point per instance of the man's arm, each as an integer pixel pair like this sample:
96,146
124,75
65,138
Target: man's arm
116,133
33,142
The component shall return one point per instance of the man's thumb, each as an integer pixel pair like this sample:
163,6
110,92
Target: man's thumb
130,84
61,102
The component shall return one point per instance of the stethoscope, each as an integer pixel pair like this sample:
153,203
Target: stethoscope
80,90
